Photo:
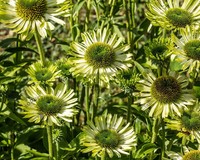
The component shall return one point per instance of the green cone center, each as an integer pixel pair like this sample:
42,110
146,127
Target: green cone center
179,17
192,155
43,75
158,50
107,138
49,104
31,10
100,55
166,89
191,122
192,49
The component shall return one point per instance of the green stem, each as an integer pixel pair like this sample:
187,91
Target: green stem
130,101
50,141
87,102
40,47
87,19
163,139
129,8
57,150
18,54
96,96
12,141
112,8
183,144
97,13
154,134
127,21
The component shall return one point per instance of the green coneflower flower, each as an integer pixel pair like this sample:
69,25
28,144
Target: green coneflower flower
108,135
188,49
99,53
57,135
127,80
188,125
164,95
192,155
188,154
158,51
48,105
27,16
173,14
43,74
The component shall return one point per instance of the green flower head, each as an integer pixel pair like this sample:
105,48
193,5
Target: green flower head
108,135
187,49
27,16
173,14
165,94
44,75
48,105
192,155
99,53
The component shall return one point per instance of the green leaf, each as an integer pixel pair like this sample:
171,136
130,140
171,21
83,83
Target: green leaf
77,8
19,49
6,111
146,149
35,132
173,155
141,69
5,55
175,65
6,42
196,89
6,80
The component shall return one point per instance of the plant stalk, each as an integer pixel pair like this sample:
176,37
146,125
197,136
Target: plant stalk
163,139
154,134
96,96
40,47
50,141
87,102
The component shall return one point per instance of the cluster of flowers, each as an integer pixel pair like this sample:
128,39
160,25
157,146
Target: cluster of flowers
103,54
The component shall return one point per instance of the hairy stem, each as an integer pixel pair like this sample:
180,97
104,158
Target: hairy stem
50,141
40,47
154,134
87,102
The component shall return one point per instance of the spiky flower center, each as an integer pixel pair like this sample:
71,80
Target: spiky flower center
57,134
191,122
192,49
166,89
179,17
100,55
31,10
43,75
107,138
192,155
49,104
158,50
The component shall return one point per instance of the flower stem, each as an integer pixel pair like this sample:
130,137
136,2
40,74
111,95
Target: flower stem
12,145
87,19
154,134
130,24
87,101
163,139
96,96
50,142
130,101
40,48
18,54
57,151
